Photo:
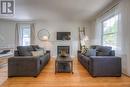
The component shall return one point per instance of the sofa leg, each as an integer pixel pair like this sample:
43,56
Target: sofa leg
94,76
10,76
35,76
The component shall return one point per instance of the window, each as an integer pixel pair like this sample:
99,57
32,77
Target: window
25,35
110,27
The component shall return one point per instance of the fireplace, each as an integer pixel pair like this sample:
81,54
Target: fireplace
65,48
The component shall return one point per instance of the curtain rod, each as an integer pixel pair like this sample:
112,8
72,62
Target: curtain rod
109,9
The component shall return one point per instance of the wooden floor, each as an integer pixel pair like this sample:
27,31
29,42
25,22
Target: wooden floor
48,78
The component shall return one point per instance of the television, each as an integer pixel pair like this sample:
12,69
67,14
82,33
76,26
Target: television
63,35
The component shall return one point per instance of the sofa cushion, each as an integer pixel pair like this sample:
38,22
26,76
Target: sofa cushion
84,51
100,54
103,50
91,52
35,47
41,49
94,46
25,50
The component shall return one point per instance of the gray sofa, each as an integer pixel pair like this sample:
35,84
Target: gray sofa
24,64
102,63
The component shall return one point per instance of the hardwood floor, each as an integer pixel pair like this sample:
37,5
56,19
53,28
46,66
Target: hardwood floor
48,78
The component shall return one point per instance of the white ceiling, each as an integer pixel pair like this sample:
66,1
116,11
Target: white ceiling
51,10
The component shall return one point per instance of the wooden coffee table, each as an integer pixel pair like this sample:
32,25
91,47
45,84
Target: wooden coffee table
63,60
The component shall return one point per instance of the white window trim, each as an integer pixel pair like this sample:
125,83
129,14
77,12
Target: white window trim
21,31
106,18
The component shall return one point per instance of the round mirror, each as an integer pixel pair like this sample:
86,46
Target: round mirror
43,35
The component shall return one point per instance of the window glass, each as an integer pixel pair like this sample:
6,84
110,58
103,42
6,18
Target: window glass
25,35
110,27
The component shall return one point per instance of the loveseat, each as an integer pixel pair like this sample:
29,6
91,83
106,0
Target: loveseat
24,64
100,61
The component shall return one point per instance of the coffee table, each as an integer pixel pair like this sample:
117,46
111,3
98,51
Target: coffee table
63,60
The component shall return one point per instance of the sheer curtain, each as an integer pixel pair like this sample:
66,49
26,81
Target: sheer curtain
124,35
32,27
19,33
123,32
98,31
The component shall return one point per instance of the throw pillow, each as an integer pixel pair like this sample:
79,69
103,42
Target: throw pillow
24,50
43,50
91,52
35,47
84,51
100,54
37,53
103,50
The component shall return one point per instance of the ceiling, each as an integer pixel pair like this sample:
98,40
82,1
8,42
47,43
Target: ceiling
52,10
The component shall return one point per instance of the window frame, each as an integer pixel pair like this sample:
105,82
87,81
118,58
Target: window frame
22,27
102,26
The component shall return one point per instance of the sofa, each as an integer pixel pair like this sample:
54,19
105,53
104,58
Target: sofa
25,64
101,61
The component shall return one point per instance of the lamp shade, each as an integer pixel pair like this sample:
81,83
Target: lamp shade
45,38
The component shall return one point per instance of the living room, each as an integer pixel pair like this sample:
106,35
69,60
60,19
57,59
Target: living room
64,43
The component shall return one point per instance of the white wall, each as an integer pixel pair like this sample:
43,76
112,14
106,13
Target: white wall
59,27
7,29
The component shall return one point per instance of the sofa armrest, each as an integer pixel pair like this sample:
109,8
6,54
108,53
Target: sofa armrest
78,54
16,53
23,65
23,58
105,66
49,53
